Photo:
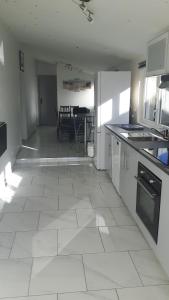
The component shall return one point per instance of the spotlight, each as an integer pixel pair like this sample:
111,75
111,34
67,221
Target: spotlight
87,12
90,17
83,7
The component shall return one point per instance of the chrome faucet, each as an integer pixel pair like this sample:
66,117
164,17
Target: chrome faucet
164,133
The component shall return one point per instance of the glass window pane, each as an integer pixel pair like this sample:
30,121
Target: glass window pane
164,117
150,101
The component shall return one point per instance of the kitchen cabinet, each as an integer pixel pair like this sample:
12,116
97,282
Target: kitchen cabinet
108,153
129,158
116,157
158,55
161,249
128,171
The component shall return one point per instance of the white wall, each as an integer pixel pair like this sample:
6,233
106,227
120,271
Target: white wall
45,68
137,91
9,95
29,95
65,97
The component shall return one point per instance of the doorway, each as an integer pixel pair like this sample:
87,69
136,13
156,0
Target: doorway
47,94
57,135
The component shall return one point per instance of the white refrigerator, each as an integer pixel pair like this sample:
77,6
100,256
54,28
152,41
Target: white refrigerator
112,104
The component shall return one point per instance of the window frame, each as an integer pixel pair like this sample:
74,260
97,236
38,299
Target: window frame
157,123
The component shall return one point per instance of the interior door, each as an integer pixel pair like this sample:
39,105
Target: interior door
47,100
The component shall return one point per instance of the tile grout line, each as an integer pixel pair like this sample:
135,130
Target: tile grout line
98,228
77,219
117,294
84,273
135,268
9,256
32,180
58,201
80,291
38,221
57,242
27,199
29,283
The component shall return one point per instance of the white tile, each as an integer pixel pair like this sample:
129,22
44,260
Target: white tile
98,295
122,216
86,180
58,189
16,205
26,180
30,191
79,241
42,297
64,180
14,277
57,274
122,238
35,244
41,204
11,222
74,201
6,240
108,188
95,217
149,268
101,200
49,181
85,188
145,293
110,270
57,219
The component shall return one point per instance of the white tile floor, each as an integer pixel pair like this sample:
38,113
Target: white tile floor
66,235
44,144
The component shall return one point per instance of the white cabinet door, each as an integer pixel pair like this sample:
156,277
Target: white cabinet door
158,55
123,172
116,156
128,171
108,154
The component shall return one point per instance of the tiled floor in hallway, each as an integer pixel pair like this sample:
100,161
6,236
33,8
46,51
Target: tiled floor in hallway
66,235
45,144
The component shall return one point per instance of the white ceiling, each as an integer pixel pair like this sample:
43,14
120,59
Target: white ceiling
120,30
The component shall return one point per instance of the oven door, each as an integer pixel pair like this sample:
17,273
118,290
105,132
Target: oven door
148,206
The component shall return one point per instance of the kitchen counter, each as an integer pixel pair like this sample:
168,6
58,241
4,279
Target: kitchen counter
138,146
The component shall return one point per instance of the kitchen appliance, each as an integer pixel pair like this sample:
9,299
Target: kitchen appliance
160,153
148,199
143,136
112,103
131,127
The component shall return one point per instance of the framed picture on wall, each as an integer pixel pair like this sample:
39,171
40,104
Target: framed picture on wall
21,61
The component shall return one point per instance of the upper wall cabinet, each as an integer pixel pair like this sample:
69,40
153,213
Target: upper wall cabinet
158,55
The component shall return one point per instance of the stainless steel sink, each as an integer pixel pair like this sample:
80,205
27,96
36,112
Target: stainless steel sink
143,137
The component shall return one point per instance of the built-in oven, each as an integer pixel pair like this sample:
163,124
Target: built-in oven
148,199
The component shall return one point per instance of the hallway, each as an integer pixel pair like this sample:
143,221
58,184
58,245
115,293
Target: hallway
44,144
66,235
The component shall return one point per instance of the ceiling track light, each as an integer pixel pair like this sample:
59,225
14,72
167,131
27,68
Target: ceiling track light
86,11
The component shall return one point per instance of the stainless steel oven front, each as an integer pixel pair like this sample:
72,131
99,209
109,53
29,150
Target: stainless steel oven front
148,199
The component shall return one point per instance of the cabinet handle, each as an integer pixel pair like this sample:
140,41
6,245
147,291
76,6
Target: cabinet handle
123,160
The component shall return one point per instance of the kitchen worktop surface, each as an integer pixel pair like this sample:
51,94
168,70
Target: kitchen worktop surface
140,145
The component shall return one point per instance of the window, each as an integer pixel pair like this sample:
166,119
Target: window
150,100
164,109
156,102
